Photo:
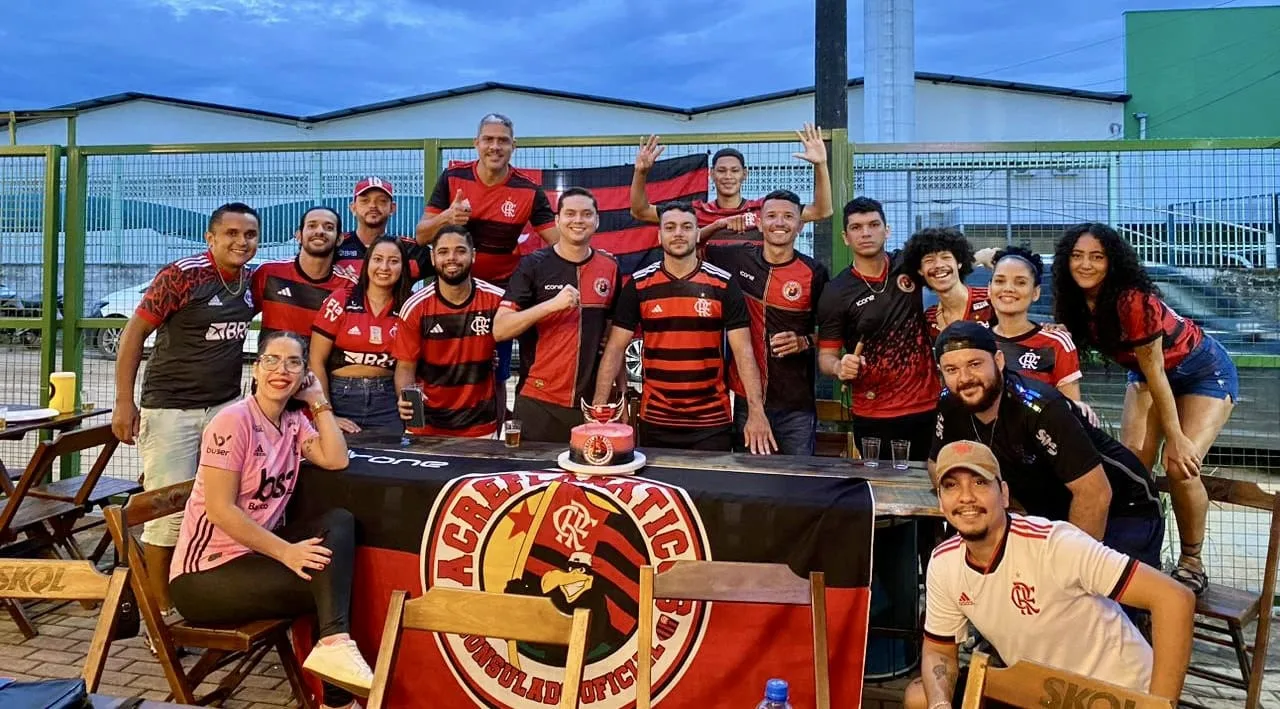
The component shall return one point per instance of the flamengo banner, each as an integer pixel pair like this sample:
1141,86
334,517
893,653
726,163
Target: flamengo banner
509,526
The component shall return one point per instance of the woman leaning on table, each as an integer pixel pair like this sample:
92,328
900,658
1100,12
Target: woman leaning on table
353,335
1182,383
235,562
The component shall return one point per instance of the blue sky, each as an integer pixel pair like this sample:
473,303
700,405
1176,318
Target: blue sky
310,56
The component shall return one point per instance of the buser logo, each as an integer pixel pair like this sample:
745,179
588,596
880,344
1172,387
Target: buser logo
1060,693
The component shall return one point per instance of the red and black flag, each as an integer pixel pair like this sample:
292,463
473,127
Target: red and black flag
682,178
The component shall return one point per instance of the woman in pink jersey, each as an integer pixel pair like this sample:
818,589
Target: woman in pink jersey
236,559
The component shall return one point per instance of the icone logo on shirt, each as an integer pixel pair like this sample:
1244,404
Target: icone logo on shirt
220,331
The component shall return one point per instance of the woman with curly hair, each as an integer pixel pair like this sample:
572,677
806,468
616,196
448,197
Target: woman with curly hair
941,258
1182,383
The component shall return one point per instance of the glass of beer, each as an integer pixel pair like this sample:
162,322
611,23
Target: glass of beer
511,433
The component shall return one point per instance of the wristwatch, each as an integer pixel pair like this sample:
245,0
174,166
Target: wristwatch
318,407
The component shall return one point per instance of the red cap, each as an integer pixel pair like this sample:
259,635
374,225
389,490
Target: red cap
373,183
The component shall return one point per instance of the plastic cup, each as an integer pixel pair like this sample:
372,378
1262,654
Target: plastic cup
511,433
871,452
901,453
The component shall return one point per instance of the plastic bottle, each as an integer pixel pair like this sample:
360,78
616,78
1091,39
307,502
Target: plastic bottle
776,694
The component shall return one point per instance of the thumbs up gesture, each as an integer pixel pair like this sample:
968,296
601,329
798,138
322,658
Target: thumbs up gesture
460,211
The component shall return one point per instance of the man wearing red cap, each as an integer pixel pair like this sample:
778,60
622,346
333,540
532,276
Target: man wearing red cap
373,204
1041,591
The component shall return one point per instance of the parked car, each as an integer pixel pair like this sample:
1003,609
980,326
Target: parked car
121,304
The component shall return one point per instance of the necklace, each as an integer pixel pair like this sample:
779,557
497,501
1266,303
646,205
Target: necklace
868,283
241,284
973,421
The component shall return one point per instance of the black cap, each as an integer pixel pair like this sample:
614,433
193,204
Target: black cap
964,335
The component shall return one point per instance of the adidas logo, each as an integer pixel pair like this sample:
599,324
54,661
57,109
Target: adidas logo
965,600
354,331
259,452
656,309
285,292
215,302
437,330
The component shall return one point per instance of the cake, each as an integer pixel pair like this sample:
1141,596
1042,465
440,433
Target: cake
603,440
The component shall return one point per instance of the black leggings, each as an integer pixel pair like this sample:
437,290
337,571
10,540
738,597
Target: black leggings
256,587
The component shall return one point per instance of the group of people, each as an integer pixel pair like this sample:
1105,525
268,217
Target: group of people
725,303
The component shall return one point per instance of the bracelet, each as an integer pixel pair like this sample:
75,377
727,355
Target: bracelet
320,407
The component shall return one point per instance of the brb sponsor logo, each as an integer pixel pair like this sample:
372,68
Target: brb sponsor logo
220,331
581,543
1060,693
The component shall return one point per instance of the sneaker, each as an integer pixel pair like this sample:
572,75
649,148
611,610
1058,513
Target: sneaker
342,665
1195,580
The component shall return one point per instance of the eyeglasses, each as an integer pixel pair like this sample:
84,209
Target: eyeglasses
291,364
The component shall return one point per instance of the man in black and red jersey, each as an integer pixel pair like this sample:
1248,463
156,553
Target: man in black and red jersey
494,201
446,344
290,292
873,311
685,308
782,289
565,293
941,258
373,204
729,218
200,308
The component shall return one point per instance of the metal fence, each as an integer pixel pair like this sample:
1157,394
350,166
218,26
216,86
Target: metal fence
1204,215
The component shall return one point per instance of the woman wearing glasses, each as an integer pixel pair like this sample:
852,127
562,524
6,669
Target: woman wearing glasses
352,337
235,562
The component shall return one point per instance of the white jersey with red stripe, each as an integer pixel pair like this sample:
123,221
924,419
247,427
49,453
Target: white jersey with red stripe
1047,595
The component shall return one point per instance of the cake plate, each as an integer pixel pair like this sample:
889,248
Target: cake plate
636,463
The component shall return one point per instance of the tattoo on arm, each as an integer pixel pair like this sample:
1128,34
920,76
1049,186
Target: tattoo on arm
940,671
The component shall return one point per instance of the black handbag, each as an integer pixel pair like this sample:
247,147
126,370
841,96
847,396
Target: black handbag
45,694
128,619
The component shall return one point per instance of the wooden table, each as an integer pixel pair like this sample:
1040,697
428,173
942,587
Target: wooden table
18,431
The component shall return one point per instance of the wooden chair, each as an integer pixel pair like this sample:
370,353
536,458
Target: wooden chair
835,444
532,619
70,581
732,582
244,644
1223,612
1031,685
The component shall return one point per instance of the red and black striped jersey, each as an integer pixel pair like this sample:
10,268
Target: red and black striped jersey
289,298
708,212
359,335
684,321
1048,356
978,310
454,347
886,314
498,215
350,251
780,298
1144,317
573,335
202,317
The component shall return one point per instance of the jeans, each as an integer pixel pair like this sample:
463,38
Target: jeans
794,431
368,401
169,446
257,587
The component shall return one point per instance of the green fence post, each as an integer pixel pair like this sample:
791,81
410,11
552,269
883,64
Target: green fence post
51,217
430,167
841,192
73,274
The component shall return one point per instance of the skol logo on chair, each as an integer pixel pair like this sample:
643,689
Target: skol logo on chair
580,542
1061,694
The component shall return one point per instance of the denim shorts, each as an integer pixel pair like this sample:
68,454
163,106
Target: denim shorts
370,402
169,446
1206,371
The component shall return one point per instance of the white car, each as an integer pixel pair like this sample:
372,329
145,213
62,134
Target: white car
121,304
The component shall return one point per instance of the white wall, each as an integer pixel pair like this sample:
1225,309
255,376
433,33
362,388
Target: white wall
944,113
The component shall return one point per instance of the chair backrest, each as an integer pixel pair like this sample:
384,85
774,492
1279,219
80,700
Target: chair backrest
533,619
732,582
44,579
1031,685
40,467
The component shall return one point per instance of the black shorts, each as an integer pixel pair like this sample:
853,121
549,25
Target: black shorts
916,428
709,438
548,423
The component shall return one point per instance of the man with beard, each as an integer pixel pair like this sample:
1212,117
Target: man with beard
446,344
1057,464
941,258
782,288
373,205
565,293
729,218
199,307
685,308
1040,591
290,292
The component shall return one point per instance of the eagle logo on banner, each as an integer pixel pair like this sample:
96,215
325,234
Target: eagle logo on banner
579,541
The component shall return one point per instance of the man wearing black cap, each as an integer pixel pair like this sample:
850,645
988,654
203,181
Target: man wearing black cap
1057,464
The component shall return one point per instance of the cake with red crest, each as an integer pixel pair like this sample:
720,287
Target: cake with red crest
603,441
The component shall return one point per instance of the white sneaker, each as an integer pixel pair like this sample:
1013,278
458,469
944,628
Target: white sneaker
342,665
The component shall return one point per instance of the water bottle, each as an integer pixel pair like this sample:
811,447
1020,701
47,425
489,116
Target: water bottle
776,693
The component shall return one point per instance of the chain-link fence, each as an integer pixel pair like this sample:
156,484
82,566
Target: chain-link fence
1204,217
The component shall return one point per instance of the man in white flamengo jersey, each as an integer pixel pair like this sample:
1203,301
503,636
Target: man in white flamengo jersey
1041,591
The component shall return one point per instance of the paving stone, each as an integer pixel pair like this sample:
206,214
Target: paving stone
15,665
150,667
117,678
60,657
115,690
49,642
267,696
56,670
15,651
